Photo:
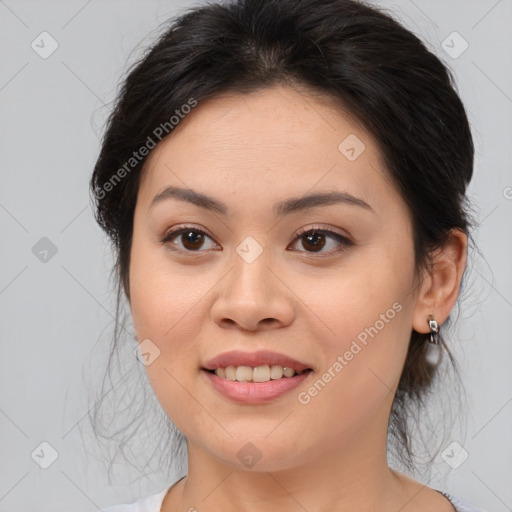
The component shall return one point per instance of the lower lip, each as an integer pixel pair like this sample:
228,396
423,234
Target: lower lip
255,392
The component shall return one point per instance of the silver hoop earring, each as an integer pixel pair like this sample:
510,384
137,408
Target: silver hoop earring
434,330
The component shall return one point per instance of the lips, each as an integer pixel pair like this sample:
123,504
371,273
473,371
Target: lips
260,358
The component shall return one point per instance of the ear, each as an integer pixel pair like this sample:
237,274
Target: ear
441,282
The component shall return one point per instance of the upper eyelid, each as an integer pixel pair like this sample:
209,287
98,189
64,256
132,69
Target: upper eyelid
321,229
176,230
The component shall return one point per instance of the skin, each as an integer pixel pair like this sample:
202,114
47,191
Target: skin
251,151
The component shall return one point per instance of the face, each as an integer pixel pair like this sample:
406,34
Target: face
326,281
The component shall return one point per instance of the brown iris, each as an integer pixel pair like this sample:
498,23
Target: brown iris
316,241
192,240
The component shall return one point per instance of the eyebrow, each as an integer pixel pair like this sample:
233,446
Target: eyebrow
282,208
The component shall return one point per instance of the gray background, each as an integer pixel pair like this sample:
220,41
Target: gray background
57,309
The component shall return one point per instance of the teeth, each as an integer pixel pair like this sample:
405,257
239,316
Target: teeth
257,374
243,373
230,372
276,371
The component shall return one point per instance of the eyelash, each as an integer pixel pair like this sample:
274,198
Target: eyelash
343,241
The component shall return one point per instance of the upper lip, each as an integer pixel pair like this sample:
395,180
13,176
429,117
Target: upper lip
260,358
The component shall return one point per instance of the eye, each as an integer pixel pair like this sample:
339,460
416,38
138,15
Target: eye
314,240
317,239
187,238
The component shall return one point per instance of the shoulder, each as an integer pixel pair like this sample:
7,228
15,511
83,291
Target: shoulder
461,505
151,503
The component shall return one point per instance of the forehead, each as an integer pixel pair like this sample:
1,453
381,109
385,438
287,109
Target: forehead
273,142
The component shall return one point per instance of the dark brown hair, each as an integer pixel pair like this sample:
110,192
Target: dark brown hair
345,50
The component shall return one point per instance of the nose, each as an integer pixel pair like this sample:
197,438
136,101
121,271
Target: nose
252,297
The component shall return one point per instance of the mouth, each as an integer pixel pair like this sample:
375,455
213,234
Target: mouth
260,366
255,378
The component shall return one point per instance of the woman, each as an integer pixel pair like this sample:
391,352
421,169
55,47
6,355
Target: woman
284,183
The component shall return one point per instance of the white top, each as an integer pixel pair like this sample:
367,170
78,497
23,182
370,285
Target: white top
153,503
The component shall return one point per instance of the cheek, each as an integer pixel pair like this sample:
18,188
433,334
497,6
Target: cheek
162,297
362,362
163,312
367,296
369,319
167,307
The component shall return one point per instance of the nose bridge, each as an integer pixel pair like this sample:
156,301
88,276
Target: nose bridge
252,293
250,273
